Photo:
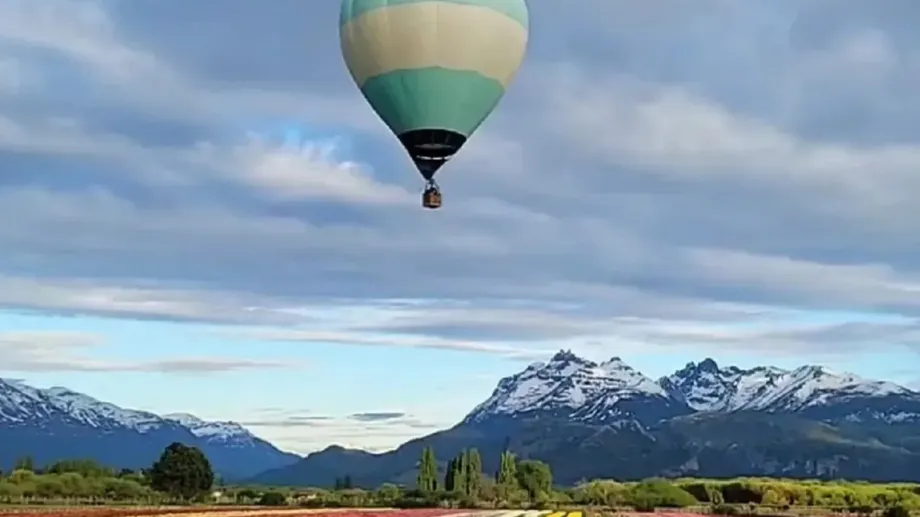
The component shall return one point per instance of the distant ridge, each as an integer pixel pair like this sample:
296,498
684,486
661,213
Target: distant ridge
58,423
590,419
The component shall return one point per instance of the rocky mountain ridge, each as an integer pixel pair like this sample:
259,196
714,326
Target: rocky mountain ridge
601,393
590,419
58,423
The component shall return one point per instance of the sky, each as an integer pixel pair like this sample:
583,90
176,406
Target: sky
199,212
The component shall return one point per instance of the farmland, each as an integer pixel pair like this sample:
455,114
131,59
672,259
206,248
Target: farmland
263,512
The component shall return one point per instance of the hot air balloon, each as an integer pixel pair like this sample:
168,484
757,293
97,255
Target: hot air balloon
433,70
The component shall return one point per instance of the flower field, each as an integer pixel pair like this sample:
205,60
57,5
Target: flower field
223,511
264,512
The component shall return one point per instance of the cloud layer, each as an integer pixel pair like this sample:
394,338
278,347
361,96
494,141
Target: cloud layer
714,175
50,351
372,431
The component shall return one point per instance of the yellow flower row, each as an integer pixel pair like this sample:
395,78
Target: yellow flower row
566,514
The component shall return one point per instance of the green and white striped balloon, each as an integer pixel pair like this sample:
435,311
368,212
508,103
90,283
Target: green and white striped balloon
433,69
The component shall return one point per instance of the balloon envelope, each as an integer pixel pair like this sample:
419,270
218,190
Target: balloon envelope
433,69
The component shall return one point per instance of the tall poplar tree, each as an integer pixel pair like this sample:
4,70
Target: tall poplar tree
507,470
450,476
428,471
473,473
462,462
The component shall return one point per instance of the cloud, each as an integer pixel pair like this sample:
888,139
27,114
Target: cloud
388,340
11,76
205,365
48,351
827,339
292,421
377,416
669,132
76,296
645,185
374,431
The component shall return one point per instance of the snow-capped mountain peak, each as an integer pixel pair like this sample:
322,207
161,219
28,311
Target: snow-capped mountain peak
807,389
185,419
576,388
811,385
96,413
705,386
565,384
225,431
59,423
21,404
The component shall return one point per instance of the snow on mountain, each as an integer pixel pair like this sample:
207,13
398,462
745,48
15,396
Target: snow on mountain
610,392
95,413
219,431
806,389
23,404
572,386
20,403
814,385
59,423
706,387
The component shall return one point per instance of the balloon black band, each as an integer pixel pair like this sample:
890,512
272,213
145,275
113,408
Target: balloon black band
431,148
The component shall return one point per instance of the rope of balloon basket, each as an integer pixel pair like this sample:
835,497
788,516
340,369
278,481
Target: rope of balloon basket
445,141
430,183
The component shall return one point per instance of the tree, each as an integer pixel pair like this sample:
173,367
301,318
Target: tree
535,477
456,474
460,484
388,493
246,496
898,510
450,475
272,499
344,483
182,472
85,467
25,463
464,473
473,474
773,497
659,493
428,471
507,470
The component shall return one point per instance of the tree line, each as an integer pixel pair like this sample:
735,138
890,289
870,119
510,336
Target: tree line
181,474
752,496
529,482
517,481
524,485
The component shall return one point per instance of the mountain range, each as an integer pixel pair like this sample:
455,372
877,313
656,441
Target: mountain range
592,420
586,419
57,423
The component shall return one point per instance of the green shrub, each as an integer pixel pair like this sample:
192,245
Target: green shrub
643,502
272,499
417,499
898,510
741,492
723,509
655,493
